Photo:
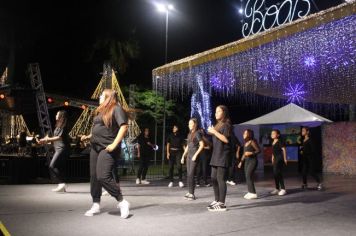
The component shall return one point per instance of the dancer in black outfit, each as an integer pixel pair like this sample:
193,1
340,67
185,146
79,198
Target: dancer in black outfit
175,146
61,144
109,128
233,160
221,133
204,160
308,160
279,159
251,149
145,154
194,147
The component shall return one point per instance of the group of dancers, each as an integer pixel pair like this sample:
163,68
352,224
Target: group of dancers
110,125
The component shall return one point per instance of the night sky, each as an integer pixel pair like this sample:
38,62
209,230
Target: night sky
60,36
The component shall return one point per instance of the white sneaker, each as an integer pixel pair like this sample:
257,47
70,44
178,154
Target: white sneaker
232,183
105,193
60,188
170,185
320,187
124,208
282,192
181,185
95,209
138,181
274,192
145,182
249,196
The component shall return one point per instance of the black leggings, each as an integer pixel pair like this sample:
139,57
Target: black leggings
219,183
202,170
191,169
250,167
175,158
277,172
231,171
102,164
57,163
142,170
309,168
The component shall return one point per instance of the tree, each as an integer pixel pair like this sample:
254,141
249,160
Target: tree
152,105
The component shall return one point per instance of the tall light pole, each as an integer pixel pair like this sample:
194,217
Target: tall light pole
164,8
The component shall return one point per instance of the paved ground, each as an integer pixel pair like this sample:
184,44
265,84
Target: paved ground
157,210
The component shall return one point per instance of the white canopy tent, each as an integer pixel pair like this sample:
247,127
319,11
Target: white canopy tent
290,113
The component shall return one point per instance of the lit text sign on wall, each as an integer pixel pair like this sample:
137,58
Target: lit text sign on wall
260,18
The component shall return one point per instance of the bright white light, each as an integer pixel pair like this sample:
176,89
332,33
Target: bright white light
170,7
161,8
348,1
241,11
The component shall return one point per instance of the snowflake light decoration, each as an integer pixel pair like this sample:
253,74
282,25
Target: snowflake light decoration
340,52
295,93
268,69
309,61
222,80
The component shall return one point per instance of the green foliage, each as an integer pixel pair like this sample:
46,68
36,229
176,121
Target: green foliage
152,104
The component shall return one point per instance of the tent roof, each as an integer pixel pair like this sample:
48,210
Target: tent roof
290,113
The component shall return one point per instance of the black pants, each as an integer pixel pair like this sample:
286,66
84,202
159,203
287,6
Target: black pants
57,163
231,170
102,164
277,172
218,181
250,167
143,168
191,169
175,158
202,170
308,167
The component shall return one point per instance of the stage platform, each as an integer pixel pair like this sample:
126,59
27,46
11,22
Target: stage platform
159,210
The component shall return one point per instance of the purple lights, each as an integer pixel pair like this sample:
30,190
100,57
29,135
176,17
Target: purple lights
268,69
295,93
309,61
222,80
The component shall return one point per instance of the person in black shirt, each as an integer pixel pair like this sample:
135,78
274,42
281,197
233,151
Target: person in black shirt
251,149
279,159
110,126
308,160
194,147
174,153
145,154
221,133
61,143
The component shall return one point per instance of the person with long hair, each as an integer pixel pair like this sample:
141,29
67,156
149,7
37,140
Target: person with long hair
145,151
279,159
61,145
221,133
175,146
308,160
194,147
249,157
110,125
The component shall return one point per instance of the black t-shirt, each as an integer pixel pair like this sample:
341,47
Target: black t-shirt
103,136
64,142
308,149
277,149
175,141
145,149
193,143
221,150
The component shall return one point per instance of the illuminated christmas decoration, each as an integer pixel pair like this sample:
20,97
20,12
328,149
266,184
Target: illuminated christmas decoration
268,69
341,52
200,105
223,80
295,93
309,61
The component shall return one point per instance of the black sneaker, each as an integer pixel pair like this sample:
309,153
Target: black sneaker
218,207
